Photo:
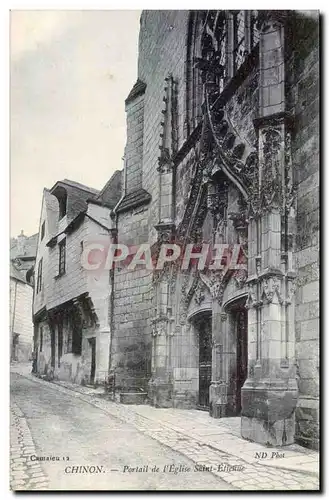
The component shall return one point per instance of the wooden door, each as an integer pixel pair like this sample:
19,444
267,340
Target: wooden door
242,353
205,355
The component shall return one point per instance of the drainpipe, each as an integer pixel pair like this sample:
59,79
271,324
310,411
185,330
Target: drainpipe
114,237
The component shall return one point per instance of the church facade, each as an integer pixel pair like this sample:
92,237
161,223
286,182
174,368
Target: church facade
223,149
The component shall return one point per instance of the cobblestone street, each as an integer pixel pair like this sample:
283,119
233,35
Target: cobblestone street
73,433
76,422
25,474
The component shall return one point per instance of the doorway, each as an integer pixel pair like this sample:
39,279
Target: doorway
241,332
204,331
92,343
53,346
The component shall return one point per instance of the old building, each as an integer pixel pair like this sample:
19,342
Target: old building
222,148
23,251
71,304
21,326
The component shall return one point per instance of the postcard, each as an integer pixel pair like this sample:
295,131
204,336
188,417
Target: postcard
164,252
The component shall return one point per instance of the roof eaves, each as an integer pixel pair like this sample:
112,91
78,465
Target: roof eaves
138,89
133,200
99,203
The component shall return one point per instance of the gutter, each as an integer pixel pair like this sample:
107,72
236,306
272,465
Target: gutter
114,235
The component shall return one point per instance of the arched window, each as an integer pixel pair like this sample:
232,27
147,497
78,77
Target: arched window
218,42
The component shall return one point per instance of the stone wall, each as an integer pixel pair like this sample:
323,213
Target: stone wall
134,147
131,339
162,50
305,149
21,297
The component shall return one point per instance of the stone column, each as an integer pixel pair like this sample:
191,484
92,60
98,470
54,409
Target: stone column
160,385
223,358
218,387
269,394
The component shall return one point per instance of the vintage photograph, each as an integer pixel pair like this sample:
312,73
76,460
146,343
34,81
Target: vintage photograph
164,250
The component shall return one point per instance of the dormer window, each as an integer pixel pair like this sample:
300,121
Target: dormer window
61,195
62,200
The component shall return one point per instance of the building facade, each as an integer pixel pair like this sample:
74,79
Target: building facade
22,259
71,303
223,148
21,326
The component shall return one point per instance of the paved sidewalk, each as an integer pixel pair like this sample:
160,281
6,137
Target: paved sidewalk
212,443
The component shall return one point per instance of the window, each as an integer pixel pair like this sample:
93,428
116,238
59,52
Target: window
42,230
41,338
62,257
226,38
62,200
39,280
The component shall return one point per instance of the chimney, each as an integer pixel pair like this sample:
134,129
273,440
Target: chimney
21,243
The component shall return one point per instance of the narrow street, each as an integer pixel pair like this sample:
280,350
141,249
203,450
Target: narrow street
79,434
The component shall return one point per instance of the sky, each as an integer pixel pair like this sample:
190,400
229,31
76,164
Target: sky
70,72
